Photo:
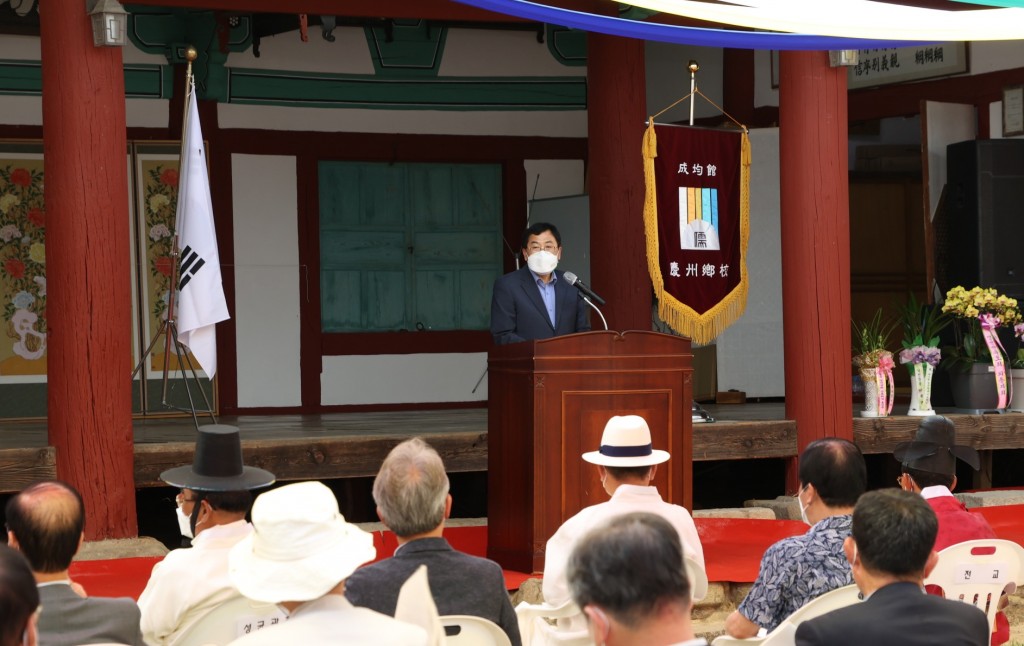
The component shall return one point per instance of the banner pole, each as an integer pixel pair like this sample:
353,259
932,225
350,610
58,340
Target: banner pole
693,67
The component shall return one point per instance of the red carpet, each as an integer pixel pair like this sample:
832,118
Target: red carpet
732,550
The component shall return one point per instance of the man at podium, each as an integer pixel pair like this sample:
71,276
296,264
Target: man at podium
536,302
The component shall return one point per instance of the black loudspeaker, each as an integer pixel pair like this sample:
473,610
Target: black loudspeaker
985,215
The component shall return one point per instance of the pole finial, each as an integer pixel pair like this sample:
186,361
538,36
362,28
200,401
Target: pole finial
693,67
191,54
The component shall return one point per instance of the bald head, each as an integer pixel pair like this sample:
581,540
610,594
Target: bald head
47,520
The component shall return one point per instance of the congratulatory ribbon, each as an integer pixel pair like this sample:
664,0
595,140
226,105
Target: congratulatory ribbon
675,34
989,323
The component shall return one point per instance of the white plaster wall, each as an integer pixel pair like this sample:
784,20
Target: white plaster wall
267,280
403,378
486,52
668,80
525,124
547,178
750,354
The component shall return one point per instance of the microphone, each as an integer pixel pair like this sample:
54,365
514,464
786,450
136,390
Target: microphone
575,281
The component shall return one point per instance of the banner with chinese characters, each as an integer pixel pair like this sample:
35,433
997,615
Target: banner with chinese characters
697,219
903,64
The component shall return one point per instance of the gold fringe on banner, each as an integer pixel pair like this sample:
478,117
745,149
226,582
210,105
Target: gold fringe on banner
701,328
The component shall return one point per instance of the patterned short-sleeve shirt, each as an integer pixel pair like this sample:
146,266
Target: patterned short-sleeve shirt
798,569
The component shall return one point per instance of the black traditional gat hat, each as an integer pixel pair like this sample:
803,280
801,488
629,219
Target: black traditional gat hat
217,464
933,448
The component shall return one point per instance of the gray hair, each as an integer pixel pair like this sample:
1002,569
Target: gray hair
630,566
411,488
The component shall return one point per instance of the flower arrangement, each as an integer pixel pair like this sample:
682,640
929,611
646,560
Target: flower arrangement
869,341
23,259
973,311
921,324
875,364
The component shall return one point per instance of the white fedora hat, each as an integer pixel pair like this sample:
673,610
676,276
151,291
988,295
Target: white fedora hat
300,547
626,442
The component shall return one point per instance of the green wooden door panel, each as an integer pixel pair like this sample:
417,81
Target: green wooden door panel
363,250
408,244
477,195
474,291
456,249
341,301
430,195
385,300
354,194
435,299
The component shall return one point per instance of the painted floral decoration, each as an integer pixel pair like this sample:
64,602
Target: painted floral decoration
161,203
23,260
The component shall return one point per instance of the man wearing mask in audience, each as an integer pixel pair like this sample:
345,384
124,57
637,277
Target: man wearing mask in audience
929,469
536,302
890,553
190,583
798,569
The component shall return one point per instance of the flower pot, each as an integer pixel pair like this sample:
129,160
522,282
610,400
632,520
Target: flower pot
869,377
1017,403
975,389
921,389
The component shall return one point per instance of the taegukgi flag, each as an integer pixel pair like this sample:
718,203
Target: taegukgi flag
696,217
201,302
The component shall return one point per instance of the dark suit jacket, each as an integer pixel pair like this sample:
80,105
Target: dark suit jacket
67,619
461,584
518,312
899,614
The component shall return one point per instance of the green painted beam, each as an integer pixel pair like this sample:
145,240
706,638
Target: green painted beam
268,87
140,81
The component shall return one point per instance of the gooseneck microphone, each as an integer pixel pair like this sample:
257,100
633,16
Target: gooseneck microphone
575,281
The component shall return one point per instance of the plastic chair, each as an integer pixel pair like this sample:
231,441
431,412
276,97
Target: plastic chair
231,620
977,572
535,629
785,633
467,630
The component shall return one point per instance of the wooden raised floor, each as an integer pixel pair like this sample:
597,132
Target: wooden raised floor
347,445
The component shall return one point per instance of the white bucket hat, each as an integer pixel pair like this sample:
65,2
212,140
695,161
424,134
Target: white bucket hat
626,442
300,547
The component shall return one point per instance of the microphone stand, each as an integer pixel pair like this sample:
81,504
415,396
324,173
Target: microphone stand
591,304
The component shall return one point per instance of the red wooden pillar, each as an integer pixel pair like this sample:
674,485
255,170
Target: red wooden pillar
616,96
88,292
815,246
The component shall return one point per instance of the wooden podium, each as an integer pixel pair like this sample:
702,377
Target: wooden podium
548,403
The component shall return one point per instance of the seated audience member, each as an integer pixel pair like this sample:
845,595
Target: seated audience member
890,552
298,556
411,492
798,569
627,575
215,497
45,522
19,600
626,463
929,469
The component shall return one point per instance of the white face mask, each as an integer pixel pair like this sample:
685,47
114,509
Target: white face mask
184,524
543,262
803,509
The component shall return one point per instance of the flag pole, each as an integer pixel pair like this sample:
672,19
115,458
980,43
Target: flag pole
168,327
190,55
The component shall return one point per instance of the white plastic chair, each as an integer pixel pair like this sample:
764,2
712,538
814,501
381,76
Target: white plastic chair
977,572
785,633
467,630
535,630
231,620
